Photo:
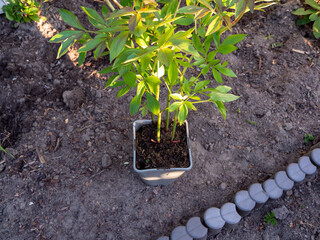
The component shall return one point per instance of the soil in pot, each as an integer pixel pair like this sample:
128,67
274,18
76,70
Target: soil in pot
165,154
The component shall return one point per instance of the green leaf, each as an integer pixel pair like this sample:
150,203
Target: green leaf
136,101
201,85
316,28
302,12
207,42
184,64
81,58
313,4
172,72
132,23
153,104
303,20
191,106
60,37
197,43
99,50
130,78
69,18
226,71
123,69
141,42
140,54
221,108
183,112
165,37
199,61
172,7
93,14
134,105
107,70
195,98
117,84
185,46
226,49
205,3
185,20
112,80
165,56
153,84
251,5
223,97
64,47
216,38
233,39
117,44
178,97
174,106
145,61
241,7
313,16
223,88
190,9
113,29
104,11
214,25
91,44
122,12
123,91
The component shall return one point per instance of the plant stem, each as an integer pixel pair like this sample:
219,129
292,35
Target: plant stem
110,5
118,4
167,112
157,97
159,128
174,124
175,13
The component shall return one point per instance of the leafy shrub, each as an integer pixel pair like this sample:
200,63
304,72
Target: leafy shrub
147,48
311,14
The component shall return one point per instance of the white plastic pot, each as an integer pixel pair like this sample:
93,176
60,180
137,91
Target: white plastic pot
159,176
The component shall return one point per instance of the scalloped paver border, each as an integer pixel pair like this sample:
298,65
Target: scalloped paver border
230,214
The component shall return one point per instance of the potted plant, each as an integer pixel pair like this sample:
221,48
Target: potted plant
150,52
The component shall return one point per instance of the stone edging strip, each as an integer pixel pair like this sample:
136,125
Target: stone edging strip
230,214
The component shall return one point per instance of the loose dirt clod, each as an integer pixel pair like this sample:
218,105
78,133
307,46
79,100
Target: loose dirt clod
74,98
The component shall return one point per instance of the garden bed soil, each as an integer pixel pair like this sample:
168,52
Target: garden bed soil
166,154
72,176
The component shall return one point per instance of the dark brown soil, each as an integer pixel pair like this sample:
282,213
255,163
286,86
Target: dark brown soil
87,189
165,154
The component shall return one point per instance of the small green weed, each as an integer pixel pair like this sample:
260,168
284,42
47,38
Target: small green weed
251,122
22,11
2,149
276,45
270,219
308,138
238,110
310,15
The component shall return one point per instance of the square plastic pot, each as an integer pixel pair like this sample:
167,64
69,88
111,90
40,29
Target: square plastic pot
158,176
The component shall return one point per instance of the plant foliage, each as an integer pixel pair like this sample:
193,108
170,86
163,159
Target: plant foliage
270,218
311,14
147,49
22,11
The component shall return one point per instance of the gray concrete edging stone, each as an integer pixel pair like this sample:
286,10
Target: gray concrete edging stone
229,215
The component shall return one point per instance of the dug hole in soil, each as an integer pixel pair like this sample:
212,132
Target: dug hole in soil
72,177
